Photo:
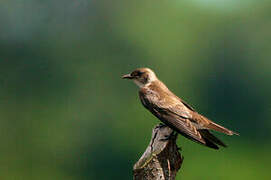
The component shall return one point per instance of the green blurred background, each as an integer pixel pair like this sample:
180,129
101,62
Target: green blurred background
66,113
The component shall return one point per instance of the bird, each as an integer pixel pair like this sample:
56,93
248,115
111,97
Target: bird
175,112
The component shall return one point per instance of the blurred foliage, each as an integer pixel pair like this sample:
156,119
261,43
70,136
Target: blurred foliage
66,114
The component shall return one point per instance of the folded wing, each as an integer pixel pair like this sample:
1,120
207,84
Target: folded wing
176,120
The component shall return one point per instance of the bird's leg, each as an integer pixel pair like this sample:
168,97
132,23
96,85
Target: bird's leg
161,125
167,137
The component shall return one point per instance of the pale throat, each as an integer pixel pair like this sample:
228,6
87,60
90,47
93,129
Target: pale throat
150,80
140,84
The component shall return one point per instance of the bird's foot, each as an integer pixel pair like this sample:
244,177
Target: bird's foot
167,137
161,125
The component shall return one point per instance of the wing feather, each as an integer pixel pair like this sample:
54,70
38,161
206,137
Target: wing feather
171,116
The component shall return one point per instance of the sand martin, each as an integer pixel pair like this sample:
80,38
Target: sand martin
173,111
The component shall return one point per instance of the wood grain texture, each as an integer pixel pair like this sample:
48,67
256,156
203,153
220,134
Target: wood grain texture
162,159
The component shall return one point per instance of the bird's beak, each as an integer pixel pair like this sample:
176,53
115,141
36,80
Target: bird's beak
127,76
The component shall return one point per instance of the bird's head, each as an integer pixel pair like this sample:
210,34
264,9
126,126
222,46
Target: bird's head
141,76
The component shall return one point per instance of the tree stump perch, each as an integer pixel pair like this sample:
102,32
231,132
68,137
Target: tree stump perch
162,159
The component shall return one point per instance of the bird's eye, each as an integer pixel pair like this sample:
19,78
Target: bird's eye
137,73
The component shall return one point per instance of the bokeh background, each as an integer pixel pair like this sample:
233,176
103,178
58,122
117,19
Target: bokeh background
65,113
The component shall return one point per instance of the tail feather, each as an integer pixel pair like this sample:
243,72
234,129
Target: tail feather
210,144
219,128
207,136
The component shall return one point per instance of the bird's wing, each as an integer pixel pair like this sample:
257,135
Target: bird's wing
186,104
173,116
